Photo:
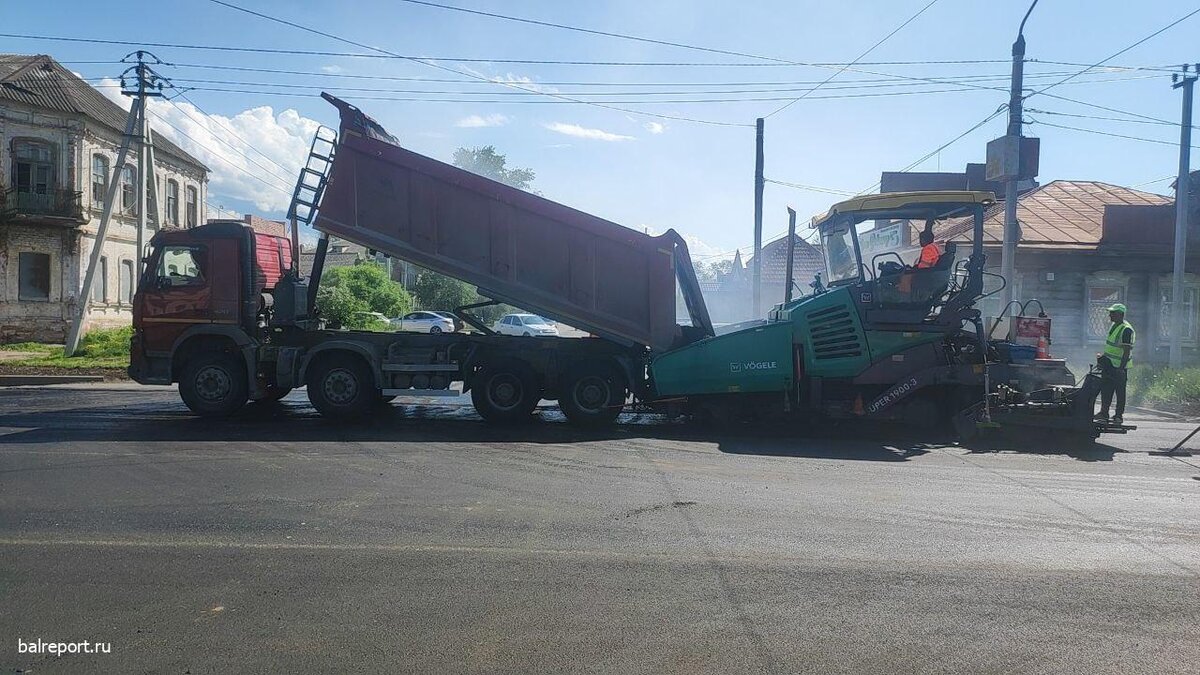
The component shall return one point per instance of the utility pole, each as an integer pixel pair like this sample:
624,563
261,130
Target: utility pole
759,182
1015,98
1182,188
148,84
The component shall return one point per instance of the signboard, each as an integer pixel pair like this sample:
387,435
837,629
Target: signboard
1027,330
879,240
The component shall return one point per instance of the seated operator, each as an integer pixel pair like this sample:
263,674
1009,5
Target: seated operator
930,253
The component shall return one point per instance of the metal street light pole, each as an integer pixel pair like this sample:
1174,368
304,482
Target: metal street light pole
1182,188
1009,250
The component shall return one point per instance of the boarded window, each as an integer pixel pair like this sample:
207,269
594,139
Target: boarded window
34,276
99,179
191,206
128,190
126,281
172,202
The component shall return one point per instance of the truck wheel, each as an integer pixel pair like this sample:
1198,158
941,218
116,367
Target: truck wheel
342,387
593,395
505,393
214,385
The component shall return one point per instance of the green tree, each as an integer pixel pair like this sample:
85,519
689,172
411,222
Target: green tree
487,162
438,292
348,293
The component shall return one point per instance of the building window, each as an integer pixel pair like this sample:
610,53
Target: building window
32,167
1190,293
126,281
100,283
192,199
33,276
99,179
172,202
128,190
1101,293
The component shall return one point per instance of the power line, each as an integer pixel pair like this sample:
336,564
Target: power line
473,75
810,188
869,50
1118,53
1107,133
761,87
223,158
470,59
1105,119
590,31
231,146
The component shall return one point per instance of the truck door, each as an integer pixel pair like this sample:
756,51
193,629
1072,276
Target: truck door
188,284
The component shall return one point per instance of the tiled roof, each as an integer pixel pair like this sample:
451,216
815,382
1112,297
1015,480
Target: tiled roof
806,263
1063,212
41,81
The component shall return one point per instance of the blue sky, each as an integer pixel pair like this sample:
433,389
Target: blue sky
695,178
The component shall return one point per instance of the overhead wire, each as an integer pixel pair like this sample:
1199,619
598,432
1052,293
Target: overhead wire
856,59
475,76
231,146
1117,53
1108,133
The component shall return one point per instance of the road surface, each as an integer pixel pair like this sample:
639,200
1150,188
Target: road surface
429,542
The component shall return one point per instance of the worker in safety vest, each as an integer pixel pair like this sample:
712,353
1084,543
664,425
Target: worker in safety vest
1114,362
930,253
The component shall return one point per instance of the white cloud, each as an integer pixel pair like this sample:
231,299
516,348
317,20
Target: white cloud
655,127
584,132
231,147
478,121
331,69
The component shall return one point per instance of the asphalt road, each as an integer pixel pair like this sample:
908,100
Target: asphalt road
428,542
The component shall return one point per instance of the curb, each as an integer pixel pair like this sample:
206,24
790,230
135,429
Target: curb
27,380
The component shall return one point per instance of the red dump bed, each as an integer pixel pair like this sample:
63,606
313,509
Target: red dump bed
516,247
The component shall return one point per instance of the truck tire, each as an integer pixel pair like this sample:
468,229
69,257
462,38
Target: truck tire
592,395
504,393
214,384
342,387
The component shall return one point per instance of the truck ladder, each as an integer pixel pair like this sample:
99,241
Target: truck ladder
313,176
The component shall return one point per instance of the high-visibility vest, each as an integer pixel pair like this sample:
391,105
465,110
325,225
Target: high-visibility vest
1112,346
929,256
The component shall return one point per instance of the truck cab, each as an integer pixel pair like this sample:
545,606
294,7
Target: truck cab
199,311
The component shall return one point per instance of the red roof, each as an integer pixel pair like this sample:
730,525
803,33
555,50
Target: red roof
1063,212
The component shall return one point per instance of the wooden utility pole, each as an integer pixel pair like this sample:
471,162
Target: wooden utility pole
1182,187
147,84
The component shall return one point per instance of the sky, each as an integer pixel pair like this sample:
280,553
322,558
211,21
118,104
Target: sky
643,165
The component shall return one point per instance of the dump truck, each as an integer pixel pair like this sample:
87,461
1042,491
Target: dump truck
223,311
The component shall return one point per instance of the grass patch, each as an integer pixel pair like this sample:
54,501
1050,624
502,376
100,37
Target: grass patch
26,347
107,348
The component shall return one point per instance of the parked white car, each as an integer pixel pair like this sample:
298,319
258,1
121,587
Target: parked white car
423,322
525,324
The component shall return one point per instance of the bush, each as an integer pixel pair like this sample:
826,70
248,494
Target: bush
108,342
347,291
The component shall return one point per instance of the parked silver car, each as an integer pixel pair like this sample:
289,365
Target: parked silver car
423,322
525,324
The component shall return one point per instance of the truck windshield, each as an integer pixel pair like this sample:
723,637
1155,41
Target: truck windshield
841,259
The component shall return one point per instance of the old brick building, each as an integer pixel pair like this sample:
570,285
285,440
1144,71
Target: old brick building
58,145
